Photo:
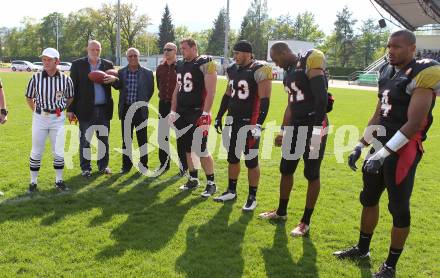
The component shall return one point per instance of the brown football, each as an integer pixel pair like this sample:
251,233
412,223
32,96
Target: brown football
113,72
97,76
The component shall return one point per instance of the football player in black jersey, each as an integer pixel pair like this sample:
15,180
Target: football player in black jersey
191,111
247,101
403,115
304,123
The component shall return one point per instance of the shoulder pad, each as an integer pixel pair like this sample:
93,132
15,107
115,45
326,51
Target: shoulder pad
203,59
315,59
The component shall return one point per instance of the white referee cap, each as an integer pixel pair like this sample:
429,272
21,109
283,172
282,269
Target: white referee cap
51,53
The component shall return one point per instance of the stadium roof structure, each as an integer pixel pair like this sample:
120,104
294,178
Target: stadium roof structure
413,13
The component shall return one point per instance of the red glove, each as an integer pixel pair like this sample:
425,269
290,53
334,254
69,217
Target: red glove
204,121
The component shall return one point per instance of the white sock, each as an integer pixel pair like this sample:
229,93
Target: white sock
59,175
34,176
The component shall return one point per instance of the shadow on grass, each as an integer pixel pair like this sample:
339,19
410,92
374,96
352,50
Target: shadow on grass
214,249
152,227
138,201
278,259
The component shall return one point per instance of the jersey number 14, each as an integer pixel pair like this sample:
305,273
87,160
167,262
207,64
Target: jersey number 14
385,105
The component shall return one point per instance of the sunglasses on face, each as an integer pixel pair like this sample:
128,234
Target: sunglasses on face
167,49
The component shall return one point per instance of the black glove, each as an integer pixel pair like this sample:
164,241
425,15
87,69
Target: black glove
373,164
218,125
353,157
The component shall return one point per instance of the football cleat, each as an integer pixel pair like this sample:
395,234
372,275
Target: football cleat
226,196
210,189
385,272
32,188
61,186
352,253
191,184
251,203
272,215
300,230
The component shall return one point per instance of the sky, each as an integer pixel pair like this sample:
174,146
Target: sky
195,14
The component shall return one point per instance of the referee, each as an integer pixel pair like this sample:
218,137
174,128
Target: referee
48,93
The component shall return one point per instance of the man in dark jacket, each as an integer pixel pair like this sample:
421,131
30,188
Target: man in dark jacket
136,85
92,106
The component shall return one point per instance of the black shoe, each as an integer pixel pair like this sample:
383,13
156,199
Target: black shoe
209,190
352,253
32,188
250,204
86,173
190,184
385,272
124,171
61,186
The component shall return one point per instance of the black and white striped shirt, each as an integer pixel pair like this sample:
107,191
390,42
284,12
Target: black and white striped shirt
50,92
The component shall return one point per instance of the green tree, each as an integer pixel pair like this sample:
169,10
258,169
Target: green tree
166,29
216,40
306,29
282,28
80,27
49,26
255,27
371,42
345,37
303,28
132,24
147,43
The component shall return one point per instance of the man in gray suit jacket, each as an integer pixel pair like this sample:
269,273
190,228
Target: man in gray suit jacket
136,83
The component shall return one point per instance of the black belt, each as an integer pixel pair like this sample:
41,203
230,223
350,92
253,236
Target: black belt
38,110
101,105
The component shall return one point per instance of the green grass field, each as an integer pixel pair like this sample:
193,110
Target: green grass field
135,226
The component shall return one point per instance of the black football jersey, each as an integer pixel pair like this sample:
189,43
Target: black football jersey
190,79
395,90
243,85
297,85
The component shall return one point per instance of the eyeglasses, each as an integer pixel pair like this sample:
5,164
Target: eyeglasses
132,56
167,49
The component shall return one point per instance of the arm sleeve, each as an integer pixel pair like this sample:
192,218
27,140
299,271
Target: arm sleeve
319,92
264,109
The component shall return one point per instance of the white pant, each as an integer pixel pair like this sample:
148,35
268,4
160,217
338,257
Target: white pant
44,125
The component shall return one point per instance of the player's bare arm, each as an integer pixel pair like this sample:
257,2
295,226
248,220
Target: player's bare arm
419,106
287,119
210,85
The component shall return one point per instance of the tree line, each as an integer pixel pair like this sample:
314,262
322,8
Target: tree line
345,46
